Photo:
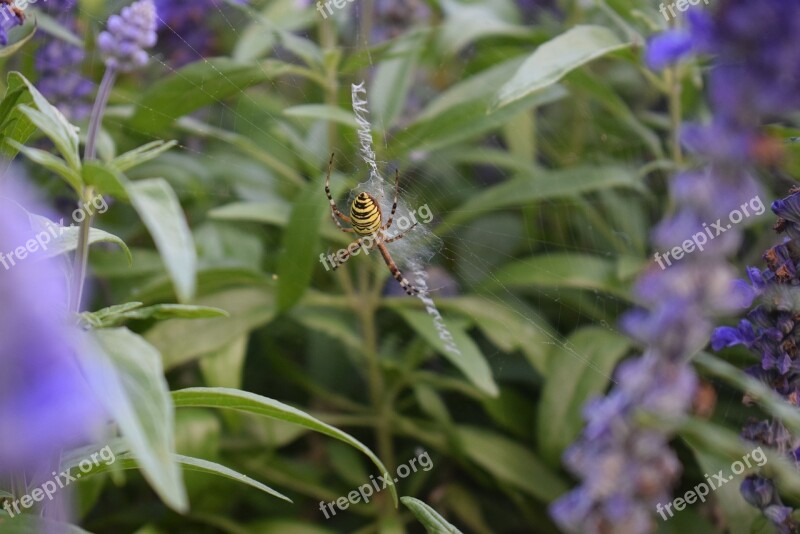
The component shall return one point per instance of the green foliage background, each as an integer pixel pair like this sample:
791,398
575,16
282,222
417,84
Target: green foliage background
542,149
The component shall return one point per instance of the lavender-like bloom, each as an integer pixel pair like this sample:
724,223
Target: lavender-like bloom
771,330
8,19
756,75
58,64
45,403
123,44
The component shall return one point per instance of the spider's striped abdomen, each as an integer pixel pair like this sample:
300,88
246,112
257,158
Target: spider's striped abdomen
365,214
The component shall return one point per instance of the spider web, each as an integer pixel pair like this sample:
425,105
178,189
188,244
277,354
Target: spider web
470,244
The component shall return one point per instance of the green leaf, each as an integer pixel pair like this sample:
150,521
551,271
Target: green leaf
559,270
161,212
324,113
470,360
106,180
556,58
511,463
8,50
13,124
27,523
756,390
197,85
126,374
539,185
300,245
179,341
107,318
53,27
249,402
224,367
123,459
51,163
467,22
140,155
65,238
430,518
392,80
50,121
579,369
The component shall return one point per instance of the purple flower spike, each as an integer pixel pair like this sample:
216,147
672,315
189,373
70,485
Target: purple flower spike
123,44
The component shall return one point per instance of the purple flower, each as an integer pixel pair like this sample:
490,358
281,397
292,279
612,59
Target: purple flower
45,403
58,64
8,20
127,36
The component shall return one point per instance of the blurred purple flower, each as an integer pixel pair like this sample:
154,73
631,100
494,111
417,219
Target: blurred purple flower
128,35
622,482
8,20
45,403
391,18
59,63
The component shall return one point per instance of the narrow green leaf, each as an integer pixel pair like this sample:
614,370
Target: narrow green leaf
392,81
559,270
51,163
106,180
235,399
161,212
126,374
511,463
140,155
430,518
324,113
8,50
539,185
558,57
300,248
27,523
469,360
197,85
65,238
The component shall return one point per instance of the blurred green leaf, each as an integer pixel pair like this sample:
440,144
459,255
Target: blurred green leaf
511,463
556,58
28,523
249,402
195,86
125,372
392,80
161,212
430,519
51,163
140,155
560,270
538,185
469,361
300,245
180,340
324,113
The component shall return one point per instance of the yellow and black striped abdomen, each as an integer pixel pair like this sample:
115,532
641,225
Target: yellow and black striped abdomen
365,214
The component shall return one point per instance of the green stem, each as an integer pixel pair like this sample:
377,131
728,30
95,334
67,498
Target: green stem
90,153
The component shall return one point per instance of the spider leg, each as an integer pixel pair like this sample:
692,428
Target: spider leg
334,210
348,252
404,283
400,235
394,206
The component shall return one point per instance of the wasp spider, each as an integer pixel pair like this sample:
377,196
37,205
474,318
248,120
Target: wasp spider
366,221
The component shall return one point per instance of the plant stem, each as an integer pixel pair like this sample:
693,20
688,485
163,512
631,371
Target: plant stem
90,153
